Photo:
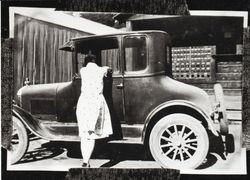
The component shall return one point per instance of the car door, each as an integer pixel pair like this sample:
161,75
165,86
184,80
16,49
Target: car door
113,84
135,81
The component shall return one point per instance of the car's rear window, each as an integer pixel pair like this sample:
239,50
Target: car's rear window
135,53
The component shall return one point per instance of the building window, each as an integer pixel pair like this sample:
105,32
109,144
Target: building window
193,63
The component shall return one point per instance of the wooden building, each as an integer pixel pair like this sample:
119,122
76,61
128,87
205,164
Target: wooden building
37,36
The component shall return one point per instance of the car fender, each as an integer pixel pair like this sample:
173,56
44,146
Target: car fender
178,103
30,123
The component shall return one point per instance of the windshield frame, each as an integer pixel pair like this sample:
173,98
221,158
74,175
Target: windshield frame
92,44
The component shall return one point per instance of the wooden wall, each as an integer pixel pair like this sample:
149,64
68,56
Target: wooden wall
229,75
36,51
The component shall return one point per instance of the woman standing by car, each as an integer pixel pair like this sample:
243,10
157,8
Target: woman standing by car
92,112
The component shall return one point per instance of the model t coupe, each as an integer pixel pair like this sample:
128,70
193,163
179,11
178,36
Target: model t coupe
173,119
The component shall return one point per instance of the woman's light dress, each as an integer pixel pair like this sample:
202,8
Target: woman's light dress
92,110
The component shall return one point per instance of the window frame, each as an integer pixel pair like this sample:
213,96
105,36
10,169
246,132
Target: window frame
125,72
116,73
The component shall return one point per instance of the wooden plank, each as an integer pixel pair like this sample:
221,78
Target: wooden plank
237,84
229,76
230,63
232,103
234,115
229,68
228,92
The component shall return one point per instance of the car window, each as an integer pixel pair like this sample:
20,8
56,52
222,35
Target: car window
105,50
135,53
110,58
80,61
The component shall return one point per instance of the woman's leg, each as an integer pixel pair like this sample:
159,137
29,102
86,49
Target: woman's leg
87,148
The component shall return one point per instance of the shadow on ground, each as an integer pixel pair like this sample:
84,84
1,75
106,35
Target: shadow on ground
46,151
103,150
220,147
114,152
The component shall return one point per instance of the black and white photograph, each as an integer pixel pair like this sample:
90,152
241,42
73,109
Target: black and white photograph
119,90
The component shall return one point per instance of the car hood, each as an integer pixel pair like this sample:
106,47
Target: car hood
38,91
41,89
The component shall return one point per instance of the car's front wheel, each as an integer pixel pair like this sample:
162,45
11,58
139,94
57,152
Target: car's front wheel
179,141
19,141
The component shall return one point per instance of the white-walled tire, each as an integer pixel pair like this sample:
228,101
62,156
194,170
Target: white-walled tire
179,141
19,141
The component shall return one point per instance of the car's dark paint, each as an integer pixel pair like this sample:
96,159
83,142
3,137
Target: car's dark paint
138,107
37,92
66,99
57,99
135,95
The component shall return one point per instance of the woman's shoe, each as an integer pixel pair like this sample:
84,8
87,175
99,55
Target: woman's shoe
86,165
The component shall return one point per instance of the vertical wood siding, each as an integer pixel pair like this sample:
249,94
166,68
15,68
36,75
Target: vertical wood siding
36,52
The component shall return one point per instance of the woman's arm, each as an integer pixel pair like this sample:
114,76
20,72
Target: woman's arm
106,70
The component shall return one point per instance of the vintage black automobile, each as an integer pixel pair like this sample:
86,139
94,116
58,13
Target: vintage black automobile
174,119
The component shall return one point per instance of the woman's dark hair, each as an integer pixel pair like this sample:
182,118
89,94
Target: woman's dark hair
89,58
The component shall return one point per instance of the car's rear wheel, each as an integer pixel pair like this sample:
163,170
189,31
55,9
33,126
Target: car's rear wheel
19,141
179,141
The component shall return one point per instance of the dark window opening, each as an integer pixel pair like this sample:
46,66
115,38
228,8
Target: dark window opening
105,50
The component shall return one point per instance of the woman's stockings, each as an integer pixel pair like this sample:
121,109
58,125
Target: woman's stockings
87,148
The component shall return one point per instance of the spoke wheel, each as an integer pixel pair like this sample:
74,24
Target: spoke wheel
19,141
179,141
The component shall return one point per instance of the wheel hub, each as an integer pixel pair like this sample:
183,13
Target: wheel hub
178,142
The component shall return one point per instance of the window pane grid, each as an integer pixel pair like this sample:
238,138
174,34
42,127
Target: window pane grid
193,63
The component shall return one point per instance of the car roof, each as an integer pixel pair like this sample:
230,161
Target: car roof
89,37
70,44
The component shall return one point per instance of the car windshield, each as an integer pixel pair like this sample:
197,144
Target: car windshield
105,50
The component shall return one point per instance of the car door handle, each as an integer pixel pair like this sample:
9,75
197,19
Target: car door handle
119,86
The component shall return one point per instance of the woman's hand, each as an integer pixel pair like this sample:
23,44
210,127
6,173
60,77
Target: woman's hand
76,76
91,132
108,71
